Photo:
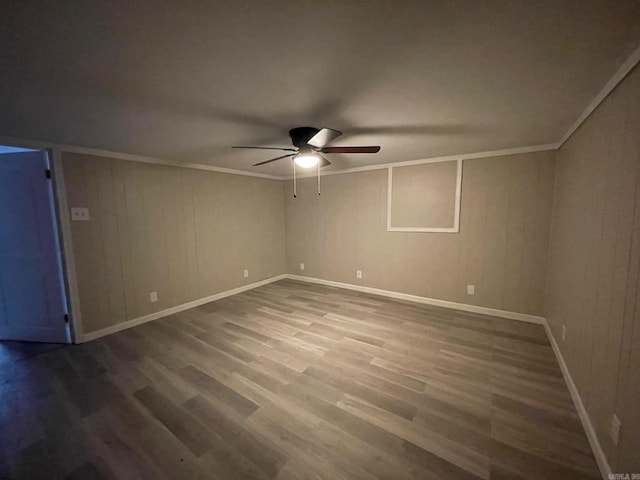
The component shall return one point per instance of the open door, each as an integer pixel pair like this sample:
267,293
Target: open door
32,300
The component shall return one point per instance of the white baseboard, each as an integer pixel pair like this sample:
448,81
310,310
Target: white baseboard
179,308
522,317
598,453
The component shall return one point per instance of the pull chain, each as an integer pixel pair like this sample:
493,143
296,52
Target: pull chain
318,177
295,187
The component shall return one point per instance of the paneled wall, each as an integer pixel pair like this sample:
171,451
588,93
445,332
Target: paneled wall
183,233
593,287
424,196
501,247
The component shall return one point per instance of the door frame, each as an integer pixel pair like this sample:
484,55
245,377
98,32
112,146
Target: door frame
67,261
65,244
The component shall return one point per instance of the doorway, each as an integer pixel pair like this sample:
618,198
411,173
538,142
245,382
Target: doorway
33,303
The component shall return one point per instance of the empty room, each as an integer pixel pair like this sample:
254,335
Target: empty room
320,239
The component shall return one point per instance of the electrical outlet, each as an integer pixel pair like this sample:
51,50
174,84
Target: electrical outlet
246,273
358,273
615,429
301,266
153,296
564,332
79,214
471,289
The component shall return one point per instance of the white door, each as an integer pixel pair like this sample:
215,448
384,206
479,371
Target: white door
32,305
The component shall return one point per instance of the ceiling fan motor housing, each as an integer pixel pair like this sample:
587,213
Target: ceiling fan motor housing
301,135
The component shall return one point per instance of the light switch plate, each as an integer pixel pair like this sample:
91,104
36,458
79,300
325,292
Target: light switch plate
79,214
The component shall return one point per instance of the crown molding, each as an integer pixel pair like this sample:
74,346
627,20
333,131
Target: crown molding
39,145
447,158
613,82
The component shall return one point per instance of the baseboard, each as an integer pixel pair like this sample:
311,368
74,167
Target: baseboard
598,453
522,317
179,308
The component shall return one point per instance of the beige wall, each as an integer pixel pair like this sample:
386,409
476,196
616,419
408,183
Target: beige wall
593,270
501,246
184,233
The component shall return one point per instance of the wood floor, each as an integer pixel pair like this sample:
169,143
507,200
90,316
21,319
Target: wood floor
296,381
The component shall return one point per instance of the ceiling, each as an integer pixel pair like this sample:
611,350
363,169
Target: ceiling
185,80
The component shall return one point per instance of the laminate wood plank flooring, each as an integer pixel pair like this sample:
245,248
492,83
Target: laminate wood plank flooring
296,381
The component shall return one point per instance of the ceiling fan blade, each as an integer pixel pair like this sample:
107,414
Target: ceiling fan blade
274,159
269,148
324,162
369,149
323,137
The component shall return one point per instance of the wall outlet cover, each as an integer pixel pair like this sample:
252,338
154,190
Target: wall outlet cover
153,296
246,273
79,214
301,266
358,273
471,289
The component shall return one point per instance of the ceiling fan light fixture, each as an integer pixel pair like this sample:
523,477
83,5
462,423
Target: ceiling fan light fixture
306,160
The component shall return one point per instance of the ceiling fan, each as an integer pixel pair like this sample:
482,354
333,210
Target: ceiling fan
309,143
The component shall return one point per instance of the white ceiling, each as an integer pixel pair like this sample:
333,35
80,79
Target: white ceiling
185,80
